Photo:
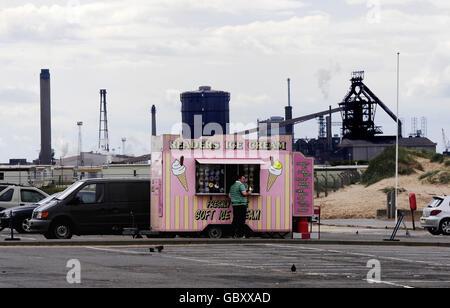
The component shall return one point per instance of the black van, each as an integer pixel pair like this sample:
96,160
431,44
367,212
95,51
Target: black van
95,207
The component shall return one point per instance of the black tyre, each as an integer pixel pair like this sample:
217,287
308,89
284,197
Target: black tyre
61,230
215,232
434,231
49,235
445,227
23,227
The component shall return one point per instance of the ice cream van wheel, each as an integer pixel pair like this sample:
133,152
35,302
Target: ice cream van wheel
214,232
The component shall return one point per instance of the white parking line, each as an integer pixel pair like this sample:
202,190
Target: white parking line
117,250
209,262
389,283
268,267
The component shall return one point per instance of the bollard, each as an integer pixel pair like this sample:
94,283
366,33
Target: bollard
389,205
11,226
302,228
413,206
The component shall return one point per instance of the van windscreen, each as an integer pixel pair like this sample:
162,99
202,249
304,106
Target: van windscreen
69,190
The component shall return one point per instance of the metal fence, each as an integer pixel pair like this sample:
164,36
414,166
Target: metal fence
328,180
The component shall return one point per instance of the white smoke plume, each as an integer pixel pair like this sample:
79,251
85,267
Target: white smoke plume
324,77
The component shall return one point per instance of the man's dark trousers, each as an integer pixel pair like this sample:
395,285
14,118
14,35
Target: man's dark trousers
239,218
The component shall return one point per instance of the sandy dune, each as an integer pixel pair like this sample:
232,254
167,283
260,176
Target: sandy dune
358,201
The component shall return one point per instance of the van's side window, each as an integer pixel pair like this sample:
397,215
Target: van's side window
30,196
7,196
129,192
94,193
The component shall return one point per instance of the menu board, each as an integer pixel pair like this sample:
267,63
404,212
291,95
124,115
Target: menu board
210,179
303,186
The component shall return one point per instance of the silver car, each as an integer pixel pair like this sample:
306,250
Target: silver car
436,216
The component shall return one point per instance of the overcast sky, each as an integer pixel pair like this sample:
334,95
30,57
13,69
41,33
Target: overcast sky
147,52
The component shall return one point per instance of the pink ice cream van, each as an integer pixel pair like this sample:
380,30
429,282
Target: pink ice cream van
191,180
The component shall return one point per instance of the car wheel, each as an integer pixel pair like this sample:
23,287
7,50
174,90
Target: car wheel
434,231
22,226
61,230
215,232
49,235
445,227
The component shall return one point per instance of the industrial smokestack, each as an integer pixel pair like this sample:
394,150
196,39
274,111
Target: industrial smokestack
288,112
329,131
45,157
289,92
153,120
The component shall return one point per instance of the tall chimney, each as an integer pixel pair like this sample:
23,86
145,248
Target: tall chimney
288,112
153,120
329,131
46,125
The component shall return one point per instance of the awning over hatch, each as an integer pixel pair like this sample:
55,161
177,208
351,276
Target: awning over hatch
230,161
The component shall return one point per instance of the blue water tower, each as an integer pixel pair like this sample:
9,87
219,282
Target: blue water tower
205,112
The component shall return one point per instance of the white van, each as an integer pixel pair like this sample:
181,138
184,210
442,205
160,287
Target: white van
14,195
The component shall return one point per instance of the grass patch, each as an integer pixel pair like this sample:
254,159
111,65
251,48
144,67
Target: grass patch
436,177
447,163
437,158
52,190
428,175
383,166
389,189
422,153
444,177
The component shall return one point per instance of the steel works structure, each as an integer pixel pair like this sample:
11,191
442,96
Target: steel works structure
359,109
103,138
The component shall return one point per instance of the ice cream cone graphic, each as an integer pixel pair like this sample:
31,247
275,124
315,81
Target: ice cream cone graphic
180,172
274,172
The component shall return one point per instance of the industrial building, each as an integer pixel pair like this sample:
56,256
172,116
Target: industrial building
26,175
92,159
271,127
368,149
361,138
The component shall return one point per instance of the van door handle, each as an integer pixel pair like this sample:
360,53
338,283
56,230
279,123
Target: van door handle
115,211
